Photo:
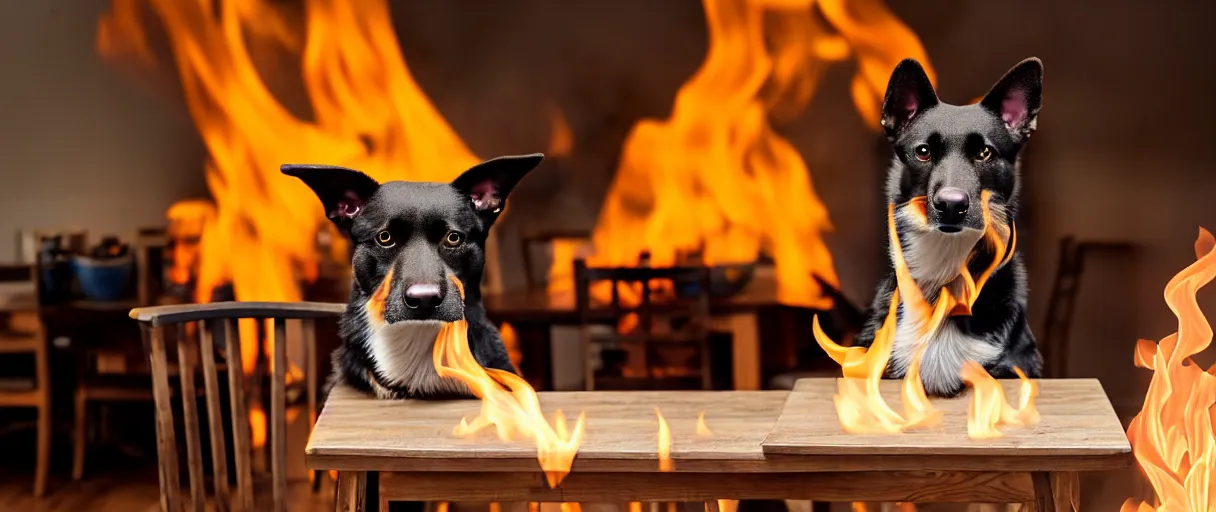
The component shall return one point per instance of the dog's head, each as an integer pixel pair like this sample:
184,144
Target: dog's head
951,154
408,237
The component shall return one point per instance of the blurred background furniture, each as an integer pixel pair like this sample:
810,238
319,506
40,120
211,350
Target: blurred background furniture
648,337
22,335
1061,305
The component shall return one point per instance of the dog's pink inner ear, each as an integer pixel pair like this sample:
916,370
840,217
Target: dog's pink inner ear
1013,107
485,196
907,107
349,207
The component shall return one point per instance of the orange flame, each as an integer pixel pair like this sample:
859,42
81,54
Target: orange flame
665,462
715,178
859,403
561,138
1172,436
702,428
367,112
507,402
988,406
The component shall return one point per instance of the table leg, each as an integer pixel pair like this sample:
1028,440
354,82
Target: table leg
745,345
1056,492
351,492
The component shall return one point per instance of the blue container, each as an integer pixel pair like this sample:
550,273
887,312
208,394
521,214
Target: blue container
104,280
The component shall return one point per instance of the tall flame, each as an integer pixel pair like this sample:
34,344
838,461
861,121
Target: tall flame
507,402
1172,436
367,112
715,178
859,403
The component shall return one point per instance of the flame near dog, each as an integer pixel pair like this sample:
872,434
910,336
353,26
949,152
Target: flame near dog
859,403
507,402
1173,436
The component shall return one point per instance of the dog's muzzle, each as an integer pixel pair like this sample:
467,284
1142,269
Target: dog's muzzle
424,296
951,205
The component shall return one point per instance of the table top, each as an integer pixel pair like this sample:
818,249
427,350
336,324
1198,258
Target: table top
752,431
1077,421
355,431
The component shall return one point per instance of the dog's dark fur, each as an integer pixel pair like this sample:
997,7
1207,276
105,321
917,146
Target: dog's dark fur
408,239
947,153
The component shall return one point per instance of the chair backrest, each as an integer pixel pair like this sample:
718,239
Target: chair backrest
205,332
684,301
530,242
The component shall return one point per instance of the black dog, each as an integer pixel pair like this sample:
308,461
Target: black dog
409,238
950,155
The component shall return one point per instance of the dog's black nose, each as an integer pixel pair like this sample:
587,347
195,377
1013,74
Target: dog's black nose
423,296
951,205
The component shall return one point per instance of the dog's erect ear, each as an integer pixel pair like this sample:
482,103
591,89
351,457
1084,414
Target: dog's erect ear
487,184
909,92
343,192
1017,97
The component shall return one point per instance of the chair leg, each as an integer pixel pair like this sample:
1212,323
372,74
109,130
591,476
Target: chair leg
43,469
79,432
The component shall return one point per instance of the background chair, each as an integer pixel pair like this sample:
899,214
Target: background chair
22,334
659,322
206,334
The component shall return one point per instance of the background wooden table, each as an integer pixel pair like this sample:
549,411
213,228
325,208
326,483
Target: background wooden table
764,445
532,312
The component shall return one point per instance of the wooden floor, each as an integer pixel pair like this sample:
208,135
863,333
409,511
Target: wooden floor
125,491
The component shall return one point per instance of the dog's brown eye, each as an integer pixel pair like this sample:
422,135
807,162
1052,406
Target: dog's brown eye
984,154
384,239
453,239
922,152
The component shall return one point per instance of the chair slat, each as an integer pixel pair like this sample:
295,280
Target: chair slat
215,416
278,417
166,442
241,439
308,327
194,446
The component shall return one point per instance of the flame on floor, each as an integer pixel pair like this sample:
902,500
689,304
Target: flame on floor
715,178
859,403
507,402
1172,436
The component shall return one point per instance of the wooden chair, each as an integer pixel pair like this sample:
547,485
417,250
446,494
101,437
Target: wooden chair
109,369
529,245
665,322
1053,343
25,335
216,340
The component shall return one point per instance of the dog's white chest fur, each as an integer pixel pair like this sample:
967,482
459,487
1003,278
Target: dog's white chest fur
402,357
934,260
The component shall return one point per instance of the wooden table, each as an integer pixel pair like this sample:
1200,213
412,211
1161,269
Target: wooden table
533,312
764,445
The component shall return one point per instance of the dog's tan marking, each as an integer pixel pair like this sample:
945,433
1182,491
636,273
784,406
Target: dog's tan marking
376,303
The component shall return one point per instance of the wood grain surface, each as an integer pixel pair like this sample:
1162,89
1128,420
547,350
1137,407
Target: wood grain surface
1077,420
750,434
620,427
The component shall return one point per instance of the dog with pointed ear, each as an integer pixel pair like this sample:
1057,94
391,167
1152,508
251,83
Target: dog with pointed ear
409,240
950,165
